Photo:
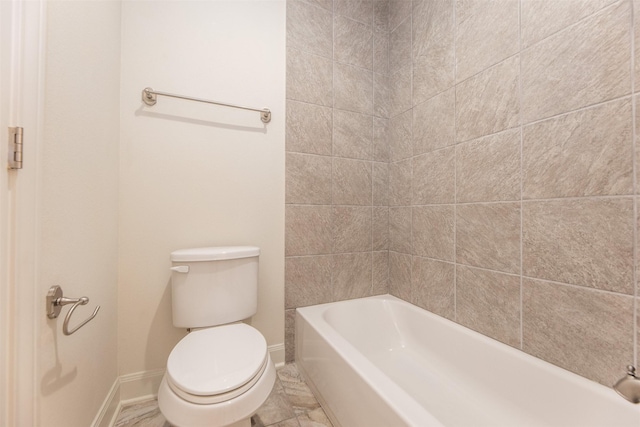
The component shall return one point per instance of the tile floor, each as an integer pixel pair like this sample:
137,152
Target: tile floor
291,404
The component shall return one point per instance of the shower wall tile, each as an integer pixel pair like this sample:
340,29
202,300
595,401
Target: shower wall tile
488,102
636,36
380,139
307,281
380,228
433,232
308,128
352,275
400,183
309,78
381,16
489,302
399,10
359,10
352,135
290,335
381,96
586,153
380,270
381,52
434,177
325,4
580,66
400,275
353,89
380,184
400,46
586,242
309,28
488,169
308,179
400,140
542,18
595,340
352,182
353,43
488,236
434,123
433,286
352,229
400,91
400,229
308,230
487,32
433,48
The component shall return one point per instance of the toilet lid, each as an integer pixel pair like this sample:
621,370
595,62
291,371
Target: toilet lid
217,360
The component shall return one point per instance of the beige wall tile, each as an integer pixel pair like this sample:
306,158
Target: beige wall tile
325,4
309,28
433,232
489,303
380,228
290,335
309,78
434,177
381,52
380,139
400,229
307,281
434,124
400,141
380,184
308,179
381,97
486,33
488,169
400,275
542,18
400,91
352,229
488,102
353,43
488,236
584,331
352,276
636,35
353,89
433,286
399,10
380,273
400,183
360,10
587,242
352,135
308,230
308,128
583,65
400,46
381,16
433,48
586,153
352,182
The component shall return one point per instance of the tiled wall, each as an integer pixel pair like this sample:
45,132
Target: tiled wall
511,167
337,179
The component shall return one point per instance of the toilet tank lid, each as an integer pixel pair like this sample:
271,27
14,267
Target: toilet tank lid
214,253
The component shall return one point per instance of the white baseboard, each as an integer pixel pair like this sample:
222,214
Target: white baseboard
276,352
110,407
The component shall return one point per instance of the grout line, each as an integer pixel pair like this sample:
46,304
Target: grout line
521,172
455,160
636,306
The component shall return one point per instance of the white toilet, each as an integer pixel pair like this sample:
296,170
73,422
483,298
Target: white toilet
221,372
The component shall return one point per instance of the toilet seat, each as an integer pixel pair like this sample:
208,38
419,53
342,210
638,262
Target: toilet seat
217,364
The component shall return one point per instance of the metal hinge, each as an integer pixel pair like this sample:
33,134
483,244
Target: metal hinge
15,147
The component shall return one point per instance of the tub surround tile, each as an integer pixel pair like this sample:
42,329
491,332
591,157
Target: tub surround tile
352,135
380,285
381,97
353,88
308,230
400,46
586,64
400,91
380,184
400,183
307,281
399,10
309,28
353,43
359,10
400,229
381,52
487,32
352,275
309,78
433,286
380,139
488,236
380,228
488,169
434,177
352,182
586,242
488,102
400,275
636,32
325,4
433,232
308,179
381,16
290,335
434,124
308,128
586,153
489,302
352,226
584,331
400,141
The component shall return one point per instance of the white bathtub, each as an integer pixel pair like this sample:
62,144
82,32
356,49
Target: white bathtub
380,361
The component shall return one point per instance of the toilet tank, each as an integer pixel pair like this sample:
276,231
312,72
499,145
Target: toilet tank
213,286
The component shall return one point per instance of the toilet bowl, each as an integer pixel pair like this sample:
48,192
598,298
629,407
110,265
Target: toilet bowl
221,373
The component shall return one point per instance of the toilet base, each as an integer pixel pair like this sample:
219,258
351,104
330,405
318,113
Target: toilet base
236,412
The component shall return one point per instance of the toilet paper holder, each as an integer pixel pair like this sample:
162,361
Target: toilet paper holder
55,302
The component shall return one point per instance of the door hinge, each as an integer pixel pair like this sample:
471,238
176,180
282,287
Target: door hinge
15,147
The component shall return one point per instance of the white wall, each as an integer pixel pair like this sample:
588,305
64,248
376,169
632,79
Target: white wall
193,174
77,212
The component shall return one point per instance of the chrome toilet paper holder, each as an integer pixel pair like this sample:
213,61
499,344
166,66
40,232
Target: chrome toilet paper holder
56,300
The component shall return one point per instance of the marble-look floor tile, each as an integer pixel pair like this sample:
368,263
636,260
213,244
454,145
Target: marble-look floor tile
298,392
143,414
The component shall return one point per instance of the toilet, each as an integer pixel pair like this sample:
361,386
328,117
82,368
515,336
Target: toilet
221,372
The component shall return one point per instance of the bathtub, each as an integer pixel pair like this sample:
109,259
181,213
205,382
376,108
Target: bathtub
380,361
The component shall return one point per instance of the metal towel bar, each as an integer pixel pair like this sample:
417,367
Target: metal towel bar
149,97
55,302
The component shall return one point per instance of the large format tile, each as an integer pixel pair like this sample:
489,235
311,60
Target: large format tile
380,139
486,33
143,414
352,275
308,128
400,275
381,96
380,228
307,281
433,232
381,16
380,184
300,395
308,230
353,88
584,331
352,182
352,229
399,10
400,229
488,169
433,286
359,10
381,52
489,302
400,47
400,141
353,43
308,179
488,236
583,65
434,177
488,102
434,123
380,285
587,242
400,91
277,408
400,183
309,28
586,153
309,78
352,135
